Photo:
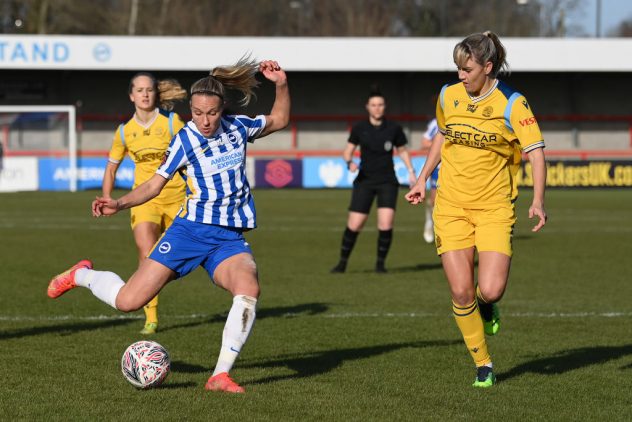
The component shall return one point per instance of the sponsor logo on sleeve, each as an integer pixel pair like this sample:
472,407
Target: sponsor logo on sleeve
528,121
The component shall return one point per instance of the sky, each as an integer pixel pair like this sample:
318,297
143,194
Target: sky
613,12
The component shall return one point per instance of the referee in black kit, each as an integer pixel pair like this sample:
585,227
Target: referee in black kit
376,138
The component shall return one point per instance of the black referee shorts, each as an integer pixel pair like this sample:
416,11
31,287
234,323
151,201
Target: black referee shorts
363,194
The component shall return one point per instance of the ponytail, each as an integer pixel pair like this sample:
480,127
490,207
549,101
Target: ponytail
240,77
482,48
170,91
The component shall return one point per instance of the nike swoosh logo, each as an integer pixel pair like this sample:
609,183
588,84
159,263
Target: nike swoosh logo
232,349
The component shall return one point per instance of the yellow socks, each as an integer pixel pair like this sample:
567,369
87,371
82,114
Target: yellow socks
151,311
469,321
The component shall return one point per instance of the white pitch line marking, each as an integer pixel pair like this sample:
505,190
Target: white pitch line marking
24,318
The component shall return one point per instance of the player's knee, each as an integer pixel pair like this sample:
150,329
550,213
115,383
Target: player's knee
125,304
462,297
491,294
248,286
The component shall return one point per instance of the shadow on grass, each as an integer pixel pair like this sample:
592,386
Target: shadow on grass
414,268
177,385
305,309
396,270
318,363
569,360
187,368
522,237
64,329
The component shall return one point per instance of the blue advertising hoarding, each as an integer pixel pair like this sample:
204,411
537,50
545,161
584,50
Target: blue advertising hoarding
54,174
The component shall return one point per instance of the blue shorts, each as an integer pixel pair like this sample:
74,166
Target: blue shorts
187,244
434,177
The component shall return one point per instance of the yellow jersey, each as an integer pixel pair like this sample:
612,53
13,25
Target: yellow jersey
484,139
146,146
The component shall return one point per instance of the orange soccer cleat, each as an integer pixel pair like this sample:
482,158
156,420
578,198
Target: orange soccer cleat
223,382
65,281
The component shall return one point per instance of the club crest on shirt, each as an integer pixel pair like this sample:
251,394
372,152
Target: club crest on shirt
388,145
488,111
159,131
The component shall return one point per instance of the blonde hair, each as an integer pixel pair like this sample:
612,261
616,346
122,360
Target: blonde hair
482,48
240,77
168,91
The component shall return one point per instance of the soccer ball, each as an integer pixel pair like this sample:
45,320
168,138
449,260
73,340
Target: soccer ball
145,364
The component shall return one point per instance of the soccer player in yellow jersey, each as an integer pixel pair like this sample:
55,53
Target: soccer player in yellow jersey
145,138
486,126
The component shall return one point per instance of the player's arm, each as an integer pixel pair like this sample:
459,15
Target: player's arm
405,156
108,178
116,155
538,168
417,192
279,116
527,130
141,194
347,155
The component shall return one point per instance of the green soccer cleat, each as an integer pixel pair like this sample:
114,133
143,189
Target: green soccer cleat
149,328
491,317
485,377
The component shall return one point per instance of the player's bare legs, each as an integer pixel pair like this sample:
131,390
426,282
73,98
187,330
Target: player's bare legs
238,275
146,234
459,269
108,287
143,285
356,220
493,273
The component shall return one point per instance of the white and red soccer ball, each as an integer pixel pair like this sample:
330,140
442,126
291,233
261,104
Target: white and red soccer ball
145,364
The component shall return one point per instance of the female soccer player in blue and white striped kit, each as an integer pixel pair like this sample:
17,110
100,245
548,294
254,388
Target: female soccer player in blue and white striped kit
218,209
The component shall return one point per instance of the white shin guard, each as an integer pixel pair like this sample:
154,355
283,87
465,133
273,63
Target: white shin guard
236,331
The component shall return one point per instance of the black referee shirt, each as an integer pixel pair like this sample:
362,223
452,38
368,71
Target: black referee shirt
376,149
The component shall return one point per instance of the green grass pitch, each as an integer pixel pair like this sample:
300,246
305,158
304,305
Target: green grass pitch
357,346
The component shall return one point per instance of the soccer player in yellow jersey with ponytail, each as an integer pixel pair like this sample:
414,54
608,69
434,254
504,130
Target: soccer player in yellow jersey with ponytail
487,126
145,138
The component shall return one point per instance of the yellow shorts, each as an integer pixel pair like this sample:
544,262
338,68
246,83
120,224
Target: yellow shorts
461,228
159,214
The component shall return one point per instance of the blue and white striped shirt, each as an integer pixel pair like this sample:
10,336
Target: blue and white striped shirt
217,189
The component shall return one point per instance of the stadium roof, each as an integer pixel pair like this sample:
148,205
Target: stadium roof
302,54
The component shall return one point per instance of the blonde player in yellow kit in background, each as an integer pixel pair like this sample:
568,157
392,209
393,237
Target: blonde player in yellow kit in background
145,138
486,125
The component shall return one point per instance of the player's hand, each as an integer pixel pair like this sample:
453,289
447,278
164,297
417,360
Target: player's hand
353,167
103,206
537,210
417,193
273,72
